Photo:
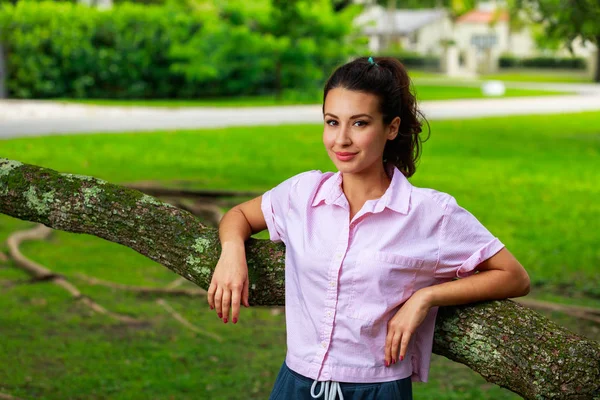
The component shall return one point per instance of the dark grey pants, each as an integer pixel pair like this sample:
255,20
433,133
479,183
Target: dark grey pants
290,385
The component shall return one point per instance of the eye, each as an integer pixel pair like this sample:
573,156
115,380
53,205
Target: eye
331,122
362,123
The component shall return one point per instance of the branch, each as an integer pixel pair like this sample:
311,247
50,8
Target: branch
505,342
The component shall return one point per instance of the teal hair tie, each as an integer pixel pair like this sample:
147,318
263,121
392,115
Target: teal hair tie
371,61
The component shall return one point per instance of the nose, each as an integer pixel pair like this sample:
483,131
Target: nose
342,137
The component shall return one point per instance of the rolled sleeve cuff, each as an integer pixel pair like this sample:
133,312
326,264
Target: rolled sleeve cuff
468,267
267,210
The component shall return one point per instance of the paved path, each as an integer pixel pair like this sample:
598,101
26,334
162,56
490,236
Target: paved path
34,118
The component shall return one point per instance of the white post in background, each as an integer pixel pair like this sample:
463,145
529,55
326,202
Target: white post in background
592,62
471,61
3,91
450,61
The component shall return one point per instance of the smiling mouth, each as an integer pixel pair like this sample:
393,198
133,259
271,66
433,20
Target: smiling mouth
345,156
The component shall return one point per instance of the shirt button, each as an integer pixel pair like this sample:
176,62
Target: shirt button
338,256
332,284
329,313
323,344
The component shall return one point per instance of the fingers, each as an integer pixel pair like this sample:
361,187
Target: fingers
404,345
226,303
211,295
218,305
394,349
245,293
391,345
396,341
236,294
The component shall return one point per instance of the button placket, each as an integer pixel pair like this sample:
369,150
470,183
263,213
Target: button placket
332,293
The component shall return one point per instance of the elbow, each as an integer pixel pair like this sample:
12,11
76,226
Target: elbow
525,284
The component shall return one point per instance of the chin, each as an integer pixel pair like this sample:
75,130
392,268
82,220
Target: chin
347,167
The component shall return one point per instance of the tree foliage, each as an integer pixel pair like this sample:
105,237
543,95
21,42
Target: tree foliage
567,20
182,48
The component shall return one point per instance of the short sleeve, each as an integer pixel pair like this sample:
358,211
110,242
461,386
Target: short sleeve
464,243
276,204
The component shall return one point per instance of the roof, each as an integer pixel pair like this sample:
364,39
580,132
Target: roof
483,17
403,21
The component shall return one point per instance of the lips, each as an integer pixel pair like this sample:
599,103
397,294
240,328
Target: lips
344,156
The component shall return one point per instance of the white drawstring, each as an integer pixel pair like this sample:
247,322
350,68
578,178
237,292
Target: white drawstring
329,393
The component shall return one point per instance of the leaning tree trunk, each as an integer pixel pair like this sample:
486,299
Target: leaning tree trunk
508,344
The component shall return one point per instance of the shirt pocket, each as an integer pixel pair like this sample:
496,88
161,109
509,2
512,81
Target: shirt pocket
380,282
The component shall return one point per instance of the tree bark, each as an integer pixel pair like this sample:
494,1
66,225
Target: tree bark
508,344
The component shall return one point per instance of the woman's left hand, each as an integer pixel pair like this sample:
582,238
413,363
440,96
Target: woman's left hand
402,326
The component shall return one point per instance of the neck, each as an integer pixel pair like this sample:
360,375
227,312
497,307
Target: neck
365,185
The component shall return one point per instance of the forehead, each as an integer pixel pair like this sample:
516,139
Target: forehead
344,103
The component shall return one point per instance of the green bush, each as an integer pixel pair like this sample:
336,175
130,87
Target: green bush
508,61
170,51
69,50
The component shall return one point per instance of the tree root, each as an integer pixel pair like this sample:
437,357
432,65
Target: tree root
587,313
4,396
152,189
177,282
39,272
143,289
185,322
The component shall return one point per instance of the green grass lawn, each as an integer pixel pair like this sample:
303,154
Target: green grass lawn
531,180
424,92
519,75
525,75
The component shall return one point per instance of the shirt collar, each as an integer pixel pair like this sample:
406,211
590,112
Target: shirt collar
396,197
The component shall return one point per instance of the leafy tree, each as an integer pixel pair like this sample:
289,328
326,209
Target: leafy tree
567,20
274,43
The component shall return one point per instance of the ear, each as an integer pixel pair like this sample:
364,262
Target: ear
393,128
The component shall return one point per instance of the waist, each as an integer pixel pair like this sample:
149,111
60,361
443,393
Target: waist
348,377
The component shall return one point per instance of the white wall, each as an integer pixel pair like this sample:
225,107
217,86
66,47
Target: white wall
487,59
430,36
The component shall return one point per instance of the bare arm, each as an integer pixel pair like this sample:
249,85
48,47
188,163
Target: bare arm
500,276
229,284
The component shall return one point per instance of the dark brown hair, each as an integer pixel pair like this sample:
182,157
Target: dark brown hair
388,80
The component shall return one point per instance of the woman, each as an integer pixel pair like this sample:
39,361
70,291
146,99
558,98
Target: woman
369,256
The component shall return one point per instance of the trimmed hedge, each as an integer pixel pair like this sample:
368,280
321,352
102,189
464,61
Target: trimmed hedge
68,50
542,62
137,51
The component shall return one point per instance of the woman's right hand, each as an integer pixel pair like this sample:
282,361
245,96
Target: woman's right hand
229,284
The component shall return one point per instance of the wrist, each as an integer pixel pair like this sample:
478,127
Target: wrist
233,245
427,296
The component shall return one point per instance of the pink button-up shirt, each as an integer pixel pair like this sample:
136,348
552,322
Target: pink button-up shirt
344,280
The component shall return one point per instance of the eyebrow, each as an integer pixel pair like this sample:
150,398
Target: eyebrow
352,117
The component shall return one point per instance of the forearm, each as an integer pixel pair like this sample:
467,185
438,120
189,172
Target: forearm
234,229
485,285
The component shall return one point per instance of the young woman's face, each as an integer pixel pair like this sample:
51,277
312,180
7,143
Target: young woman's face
354,134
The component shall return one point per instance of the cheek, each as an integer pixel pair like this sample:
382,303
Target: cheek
328,139
368,140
